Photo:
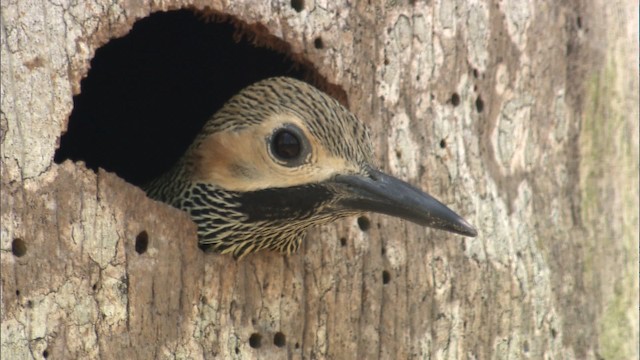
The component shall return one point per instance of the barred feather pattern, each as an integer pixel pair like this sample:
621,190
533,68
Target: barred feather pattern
225,229
222,226
341,133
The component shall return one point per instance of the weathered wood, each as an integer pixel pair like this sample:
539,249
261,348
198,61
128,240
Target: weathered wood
522,117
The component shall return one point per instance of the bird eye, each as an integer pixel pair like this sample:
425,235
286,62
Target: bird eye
286,145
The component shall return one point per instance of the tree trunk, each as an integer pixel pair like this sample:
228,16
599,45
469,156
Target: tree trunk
522,117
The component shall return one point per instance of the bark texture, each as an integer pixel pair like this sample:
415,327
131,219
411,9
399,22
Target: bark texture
522,116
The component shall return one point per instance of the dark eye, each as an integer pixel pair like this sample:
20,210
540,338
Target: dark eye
286,145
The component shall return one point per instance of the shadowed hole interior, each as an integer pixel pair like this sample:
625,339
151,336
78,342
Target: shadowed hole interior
297,5
455,99
148,94
255,340
142,242
364,223
279,339
386,277
18,247
479,104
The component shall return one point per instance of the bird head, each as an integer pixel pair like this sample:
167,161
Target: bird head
280,157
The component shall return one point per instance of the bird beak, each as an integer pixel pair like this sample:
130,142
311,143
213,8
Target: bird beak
385,194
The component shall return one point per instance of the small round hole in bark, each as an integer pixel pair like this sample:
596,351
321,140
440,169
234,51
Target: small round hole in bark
343,241
45,353
479,104
142,242
17,292
318,43
443,143
297,345
255,340
297,5
364,223
279,339
386,277
18,247
455,99
475,73
237,350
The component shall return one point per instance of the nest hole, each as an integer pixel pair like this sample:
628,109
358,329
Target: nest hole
148,94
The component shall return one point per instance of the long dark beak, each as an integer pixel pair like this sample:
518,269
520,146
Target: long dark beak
385,194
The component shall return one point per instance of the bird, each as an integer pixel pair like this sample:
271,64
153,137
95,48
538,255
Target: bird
278,158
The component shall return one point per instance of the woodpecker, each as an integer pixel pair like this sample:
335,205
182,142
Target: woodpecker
278,158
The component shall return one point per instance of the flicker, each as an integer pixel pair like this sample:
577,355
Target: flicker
278,158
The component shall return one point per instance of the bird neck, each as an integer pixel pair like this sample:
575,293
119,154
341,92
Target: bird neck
169,186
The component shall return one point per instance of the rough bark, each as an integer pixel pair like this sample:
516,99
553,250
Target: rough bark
538,148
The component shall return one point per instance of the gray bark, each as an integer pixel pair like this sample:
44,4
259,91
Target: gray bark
541,154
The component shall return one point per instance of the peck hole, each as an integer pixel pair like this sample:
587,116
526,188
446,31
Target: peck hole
255,340
318,43
386,277
279,339
297,5
142,242
364,223
18,247
455,99
479,104
45,353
